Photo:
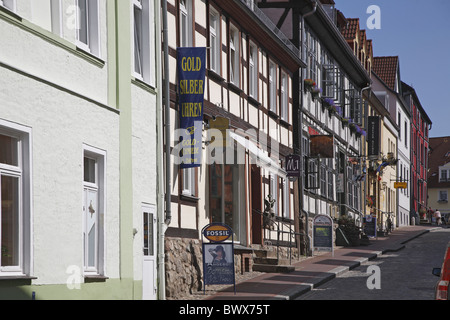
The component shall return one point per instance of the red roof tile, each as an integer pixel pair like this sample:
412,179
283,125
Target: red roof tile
349,32
386,68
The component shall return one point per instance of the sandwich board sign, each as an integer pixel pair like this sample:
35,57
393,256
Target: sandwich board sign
323,233
218,255
370,226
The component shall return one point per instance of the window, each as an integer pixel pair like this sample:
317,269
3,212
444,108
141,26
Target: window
56,16
330,181
9,4
15,197
93,210
227,194
273,190
234,56
88,31
350,190
185,23
142,36
323,180
272,87
214,40
189,182
443,177
329,74
284,97
406,134
312,57
286,192
253,72
443,196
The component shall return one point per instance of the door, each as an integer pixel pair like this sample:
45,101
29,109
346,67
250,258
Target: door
149,284
257,227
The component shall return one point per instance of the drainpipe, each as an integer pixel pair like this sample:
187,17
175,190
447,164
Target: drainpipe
167,112
309,248
164,217
363,149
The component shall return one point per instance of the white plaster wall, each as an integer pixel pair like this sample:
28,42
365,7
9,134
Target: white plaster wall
31,53
61,123
144,146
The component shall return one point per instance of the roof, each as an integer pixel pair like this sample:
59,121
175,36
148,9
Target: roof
439,156
409,90
349,32
386,69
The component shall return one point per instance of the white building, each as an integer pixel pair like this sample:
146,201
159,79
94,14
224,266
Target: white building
387,70
78,146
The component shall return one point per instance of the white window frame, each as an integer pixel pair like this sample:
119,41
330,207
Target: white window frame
272,87
56,15
284,113
99,186
234,59
441,175
253,71
186,37
273,190
286,198
9,4
92,16
189,182
443,196
214,40
142,34
23,172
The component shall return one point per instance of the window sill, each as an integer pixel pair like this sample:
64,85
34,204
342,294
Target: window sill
273,114
90,55
284,123
254,102
215,76
14,15
95,278
234,88
143,85
189,198
16,277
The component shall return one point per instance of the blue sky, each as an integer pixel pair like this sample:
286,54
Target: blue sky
419,33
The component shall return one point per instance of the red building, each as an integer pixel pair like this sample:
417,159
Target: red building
420,126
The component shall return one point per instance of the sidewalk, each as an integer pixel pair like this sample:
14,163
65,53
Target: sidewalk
314,271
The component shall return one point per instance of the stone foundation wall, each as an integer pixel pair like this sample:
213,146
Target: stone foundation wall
184,265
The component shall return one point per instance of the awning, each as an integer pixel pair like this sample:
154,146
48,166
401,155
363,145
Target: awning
260,156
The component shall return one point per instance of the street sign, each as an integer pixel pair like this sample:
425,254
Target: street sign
217,232
218,255
370,226
292,166
400,185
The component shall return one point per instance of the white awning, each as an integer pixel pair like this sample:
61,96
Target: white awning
260,156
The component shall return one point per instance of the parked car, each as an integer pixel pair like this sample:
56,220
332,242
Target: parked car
442,287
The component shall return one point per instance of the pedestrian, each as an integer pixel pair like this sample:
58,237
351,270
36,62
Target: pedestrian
389,224
437,215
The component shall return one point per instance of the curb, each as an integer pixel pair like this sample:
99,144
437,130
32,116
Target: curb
297,291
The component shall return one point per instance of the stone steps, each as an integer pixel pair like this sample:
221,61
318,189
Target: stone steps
266,261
